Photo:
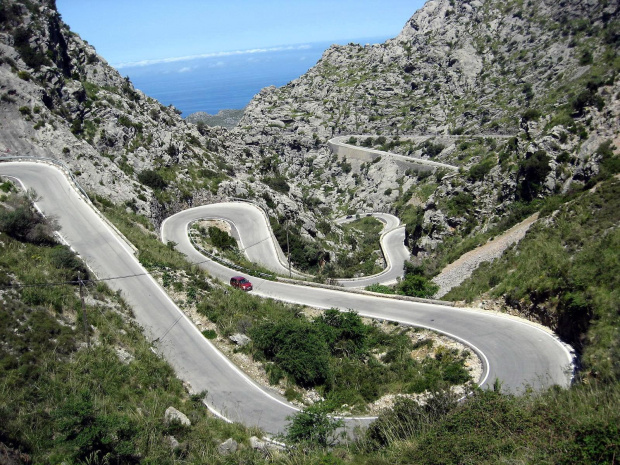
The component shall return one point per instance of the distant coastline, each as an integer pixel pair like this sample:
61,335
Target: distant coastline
226,82
225,118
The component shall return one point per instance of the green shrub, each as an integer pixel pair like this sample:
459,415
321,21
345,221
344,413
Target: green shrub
460,204
63,258
609,162
480,170
368,142
531,114
221,239
344,332
380,288
586,98
209,333
415,283
297,347
6,187
313,426
417,286
152,179
532,173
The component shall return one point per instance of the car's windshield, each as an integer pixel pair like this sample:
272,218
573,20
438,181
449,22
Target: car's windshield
243,281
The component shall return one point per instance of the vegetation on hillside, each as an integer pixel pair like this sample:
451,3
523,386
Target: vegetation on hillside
548,74
566,273
63,401
345,360
486,428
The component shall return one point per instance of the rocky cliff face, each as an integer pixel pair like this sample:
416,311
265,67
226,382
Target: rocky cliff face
527,90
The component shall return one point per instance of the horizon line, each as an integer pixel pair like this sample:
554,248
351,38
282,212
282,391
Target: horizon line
252,51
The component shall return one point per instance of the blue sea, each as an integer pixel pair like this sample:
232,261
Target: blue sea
226,80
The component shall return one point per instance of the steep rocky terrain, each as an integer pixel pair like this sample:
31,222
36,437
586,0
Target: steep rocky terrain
61,100
522,96
519,95
542,72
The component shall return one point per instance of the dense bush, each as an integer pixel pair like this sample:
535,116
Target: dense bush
20,221
532,173
344,333
417,286
587,98
296,346
313,426
221,239
478,171
63,258
152,179
531,114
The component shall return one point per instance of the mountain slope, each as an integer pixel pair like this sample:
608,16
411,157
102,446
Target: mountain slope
63,101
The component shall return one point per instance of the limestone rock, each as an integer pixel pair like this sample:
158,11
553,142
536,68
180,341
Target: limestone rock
173,415
228,447
240,339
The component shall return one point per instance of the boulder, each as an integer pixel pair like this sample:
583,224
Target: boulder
173,415
228,447
240,339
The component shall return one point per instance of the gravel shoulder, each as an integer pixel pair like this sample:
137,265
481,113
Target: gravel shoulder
462,268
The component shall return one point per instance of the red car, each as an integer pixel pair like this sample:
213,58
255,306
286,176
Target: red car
241,283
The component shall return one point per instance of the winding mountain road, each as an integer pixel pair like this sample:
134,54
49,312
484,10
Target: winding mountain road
515,351
393,246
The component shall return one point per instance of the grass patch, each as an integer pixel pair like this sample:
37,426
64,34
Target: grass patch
579,425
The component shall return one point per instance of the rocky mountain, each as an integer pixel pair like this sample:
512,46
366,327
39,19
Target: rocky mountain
542,74
63,101
519,95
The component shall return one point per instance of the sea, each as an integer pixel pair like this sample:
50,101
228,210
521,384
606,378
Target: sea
226,80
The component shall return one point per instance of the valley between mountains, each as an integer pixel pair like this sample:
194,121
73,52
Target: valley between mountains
473,158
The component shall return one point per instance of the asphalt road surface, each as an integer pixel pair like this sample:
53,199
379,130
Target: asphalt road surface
516,352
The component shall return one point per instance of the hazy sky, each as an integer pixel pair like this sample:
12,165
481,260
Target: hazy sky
129,31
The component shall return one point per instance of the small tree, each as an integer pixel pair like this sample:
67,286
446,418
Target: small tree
221,239
417,286
313,425
532,174
152,179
